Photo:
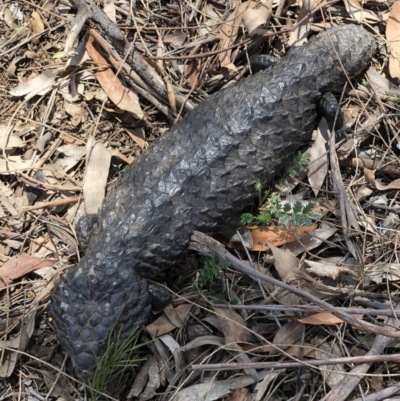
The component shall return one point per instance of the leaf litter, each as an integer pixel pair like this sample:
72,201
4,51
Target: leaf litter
55,108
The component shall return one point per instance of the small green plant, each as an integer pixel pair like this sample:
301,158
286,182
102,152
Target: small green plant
211,269
113,362
271,207
300,163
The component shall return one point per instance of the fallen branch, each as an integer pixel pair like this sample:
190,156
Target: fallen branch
366,359
207,246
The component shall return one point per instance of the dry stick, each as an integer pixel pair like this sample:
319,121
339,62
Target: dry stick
343,389
146,72
310,309
347,216
373,164
142,87
206,245
381,395
249,40
365,360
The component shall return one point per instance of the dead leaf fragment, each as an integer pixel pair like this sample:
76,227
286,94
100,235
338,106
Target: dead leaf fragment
324,318
20,265
393,40
39,85
112,86
286,336
233,326
19,342
299,35
36,25
230,29
318,167
333,374
163,325
94,187
370,177
357,12
256,17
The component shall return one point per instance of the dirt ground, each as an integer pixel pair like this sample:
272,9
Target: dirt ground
310,311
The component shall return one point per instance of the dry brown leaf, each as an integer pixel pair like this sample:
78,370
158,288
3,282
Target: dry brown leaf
212,389
322,318
36,25
171,95
370,177
286,264
261,387
19,343
286,336
94,187
300,350
256,18
233,326
333,268
163,325
229,33
240,394
318,167
378,272
357,12
109,9
262,235
110,83
9,140
204,340
393,40
299,35
39,85
310,241
20,265
381,85
332,374
230,29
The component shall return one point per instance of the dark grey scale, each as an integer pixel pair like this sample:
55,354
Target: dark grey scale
245,133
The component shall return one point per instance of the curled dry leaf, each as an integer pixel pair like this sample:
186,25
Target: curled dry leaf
19,265
8,139
381,85
286,264
213,389
331,374
233,326
370,177
333,269
275,235
393,40
19,342
94,187
322,318
378,272
110,82
138,135
163,325
357,12
299,35
109,9
310,240
286,336
318,167
36,25
39,85
230,29
255,18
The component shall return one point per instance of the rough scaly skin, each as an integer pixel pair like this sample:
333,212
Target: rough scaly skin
198,176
